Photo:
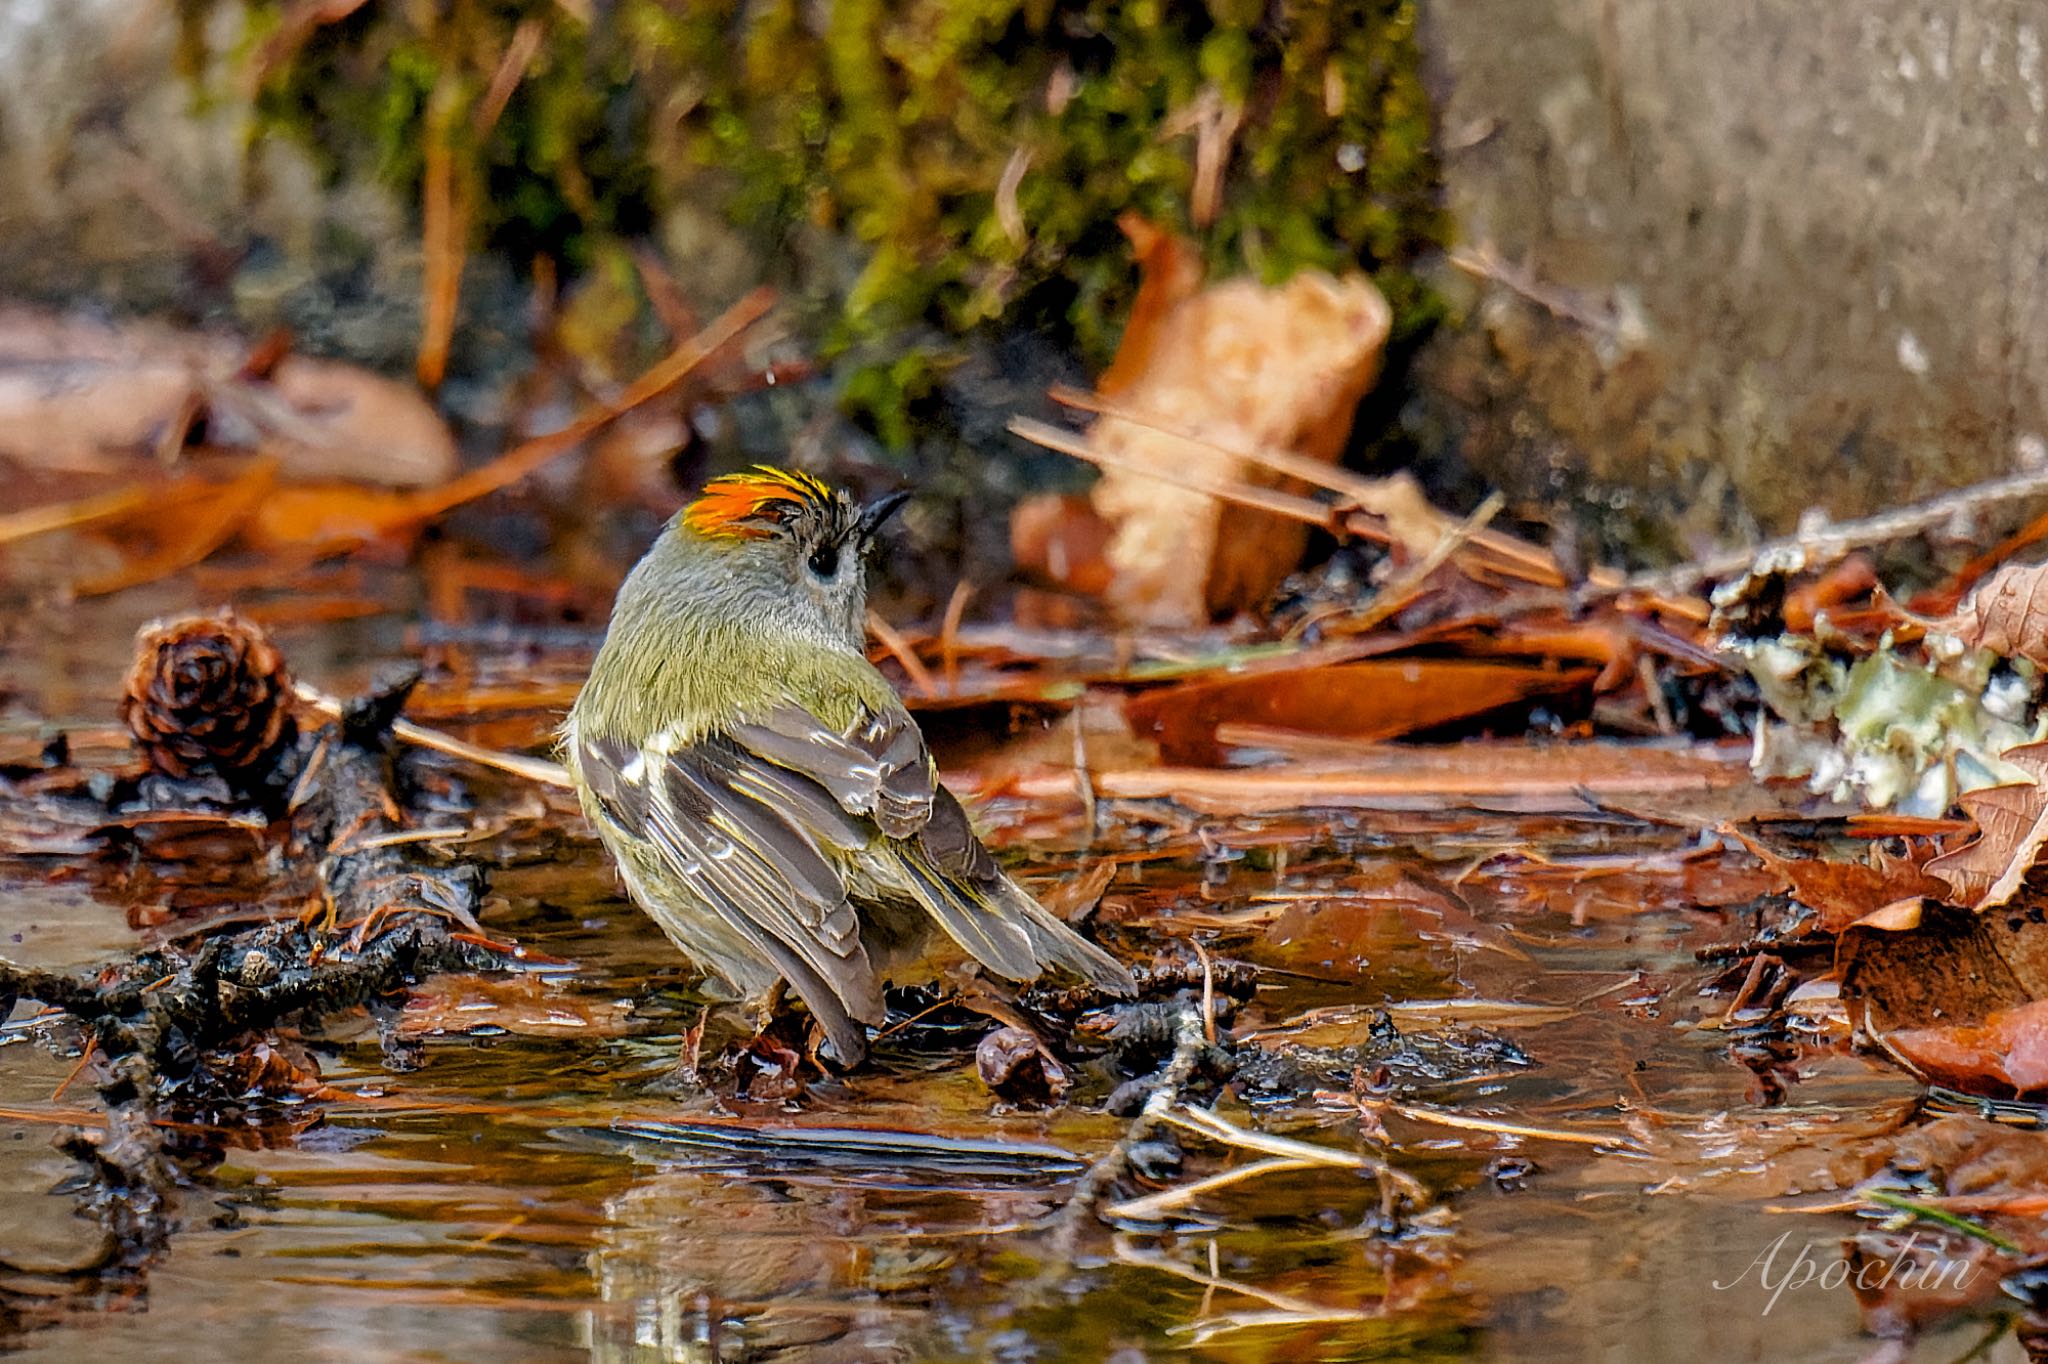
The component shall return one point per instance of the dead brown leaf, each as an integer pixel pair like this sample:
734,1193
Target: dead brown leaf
1845,893
1236,365
1375,699
82,396
2008,615
2013,822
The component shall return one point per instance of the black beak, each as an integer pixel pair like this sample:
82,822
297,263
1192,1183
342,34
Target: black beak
878,512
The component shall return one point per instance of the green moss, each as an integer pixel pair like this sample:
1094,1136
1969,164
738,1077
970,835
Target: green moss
891,125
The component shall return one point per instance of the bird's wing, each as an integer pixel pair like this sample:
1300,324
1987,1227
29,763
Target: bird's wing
879,769
752,839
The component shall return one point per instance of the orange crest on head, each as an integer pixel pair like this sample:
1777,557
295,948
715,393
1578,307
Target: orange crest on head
749,506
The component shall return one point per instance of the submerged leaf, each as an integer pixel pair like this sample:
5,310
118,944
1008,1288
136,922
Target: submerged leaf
2010,1047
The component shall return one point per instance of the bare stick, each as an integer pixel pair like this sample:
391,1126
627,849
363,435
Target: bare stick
1841,537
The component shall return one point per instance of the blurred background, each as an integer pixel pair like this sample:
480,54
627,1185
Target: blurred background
1666,282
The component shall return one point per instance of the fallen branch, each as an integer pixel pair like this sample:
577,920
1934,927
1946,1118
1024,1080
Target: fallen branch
1189,1044
1829,541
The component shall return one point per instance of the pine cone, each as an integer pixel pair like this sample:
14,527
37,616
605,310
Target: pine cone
208,694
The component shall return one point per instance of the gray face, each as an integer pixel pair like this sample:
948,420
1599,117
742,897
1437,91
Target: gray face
826,562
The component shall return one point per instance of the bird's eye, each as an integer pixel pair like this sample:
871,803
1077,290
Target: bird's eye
824,561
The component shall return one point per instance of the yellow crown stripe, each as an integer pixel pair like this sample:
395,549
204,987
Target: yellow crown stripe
734,505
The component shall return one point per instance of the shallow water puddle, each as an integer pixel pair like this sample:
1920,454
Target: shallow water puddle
1507,1004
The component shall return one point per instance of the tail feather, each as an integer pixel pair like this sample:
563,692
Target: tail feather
1010,933
1053,940
1004,947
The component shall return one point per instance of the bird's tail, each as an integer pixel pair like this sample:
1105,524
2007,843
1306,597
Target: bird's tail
1010,933
1053,941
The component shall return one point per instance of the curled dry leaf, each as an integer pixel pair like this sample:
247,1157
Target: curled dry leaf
1232,367
2013,823
2008,615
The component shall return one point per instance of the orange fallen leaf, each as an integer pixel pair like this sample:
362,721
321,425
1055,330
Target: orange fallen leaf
2009,1048
1842,893
187,524
1375,699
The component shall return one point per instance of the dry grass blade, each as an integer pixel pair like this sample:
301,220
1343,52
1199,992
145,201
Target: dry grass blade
1303,509
1410,518
1153,1207
1467,1123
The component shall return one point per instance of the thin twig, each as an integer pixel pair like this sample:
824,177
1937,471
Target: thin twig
1152,1207
1208,989
518,764
1090,810
1839,538
899,649
1397,594
949,635
1468,1123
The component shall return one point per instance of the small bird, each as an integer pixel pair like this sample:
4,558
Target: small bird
768,799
